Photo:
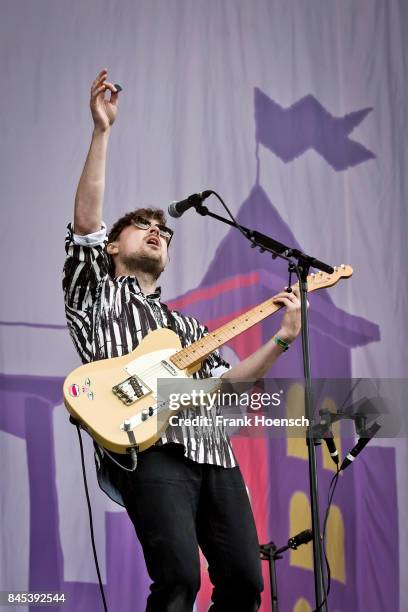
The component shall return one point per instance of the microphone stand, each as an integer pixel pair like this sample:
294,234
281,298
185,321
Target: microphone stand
271,553
299,263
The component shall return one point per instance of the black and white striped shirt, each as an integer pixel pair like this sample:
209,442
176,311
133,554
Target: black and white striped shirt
108,317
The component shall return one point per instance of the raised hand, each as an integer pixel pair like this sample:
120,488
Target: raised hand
103,110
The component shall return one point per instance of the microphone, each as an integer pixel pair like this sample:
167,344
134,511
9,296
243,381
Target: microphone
331,446
361,444
323,430
176,209
270,550
304,537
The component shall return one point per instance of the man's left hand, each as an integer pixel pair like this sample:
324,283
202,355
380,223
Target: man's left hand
291,320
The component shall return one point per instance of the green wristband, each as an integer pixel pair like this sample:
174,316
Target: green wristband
283,345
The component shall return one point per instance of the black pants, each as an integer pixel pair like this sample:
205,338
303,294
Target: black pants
176,506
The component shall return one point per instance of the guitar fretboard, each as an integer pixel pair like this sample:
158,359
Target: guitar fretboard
199,350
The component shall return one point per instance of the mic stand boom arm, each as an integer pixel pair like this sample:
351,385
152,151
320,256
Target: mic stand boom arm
268,244
301,266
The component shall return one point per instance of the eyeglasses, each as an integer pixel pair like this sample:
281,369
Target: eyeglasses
145,224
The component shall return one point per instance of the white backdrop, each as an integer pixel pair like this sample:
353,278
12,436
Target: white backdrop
186,122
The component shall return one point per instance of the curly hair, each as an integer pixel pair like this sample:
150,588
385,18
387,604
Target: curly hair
150,213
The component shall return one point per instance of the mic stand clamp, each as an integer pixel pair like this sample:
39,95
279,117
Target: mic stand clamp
271,553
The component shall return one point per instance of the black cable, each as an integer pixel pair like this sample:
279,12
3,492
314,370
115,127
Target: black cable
350,392
90,519
232,217
330,495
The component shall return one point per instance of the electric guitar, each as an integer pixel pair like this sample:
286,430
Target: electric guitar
116,400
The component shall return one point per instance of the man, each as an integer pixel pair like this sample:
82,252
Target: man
187,491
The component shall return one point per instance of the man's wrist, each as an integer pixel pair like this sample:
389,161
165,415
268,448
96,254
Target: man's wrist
280,343
101,131
286,336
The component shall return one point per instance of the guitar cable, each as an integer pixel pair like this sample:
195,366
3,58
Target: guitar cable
105,607
133,457
330,495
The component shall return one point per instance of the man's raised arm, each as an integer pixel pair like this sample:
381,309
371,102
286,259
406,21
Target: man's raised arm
91,186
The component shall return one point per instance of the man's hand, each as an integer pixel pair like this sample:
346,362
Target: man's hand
103,111
256,365
291,320
91,186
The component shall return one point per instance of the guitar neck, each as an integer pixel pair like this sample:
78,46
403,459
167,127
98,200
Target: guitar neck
194,354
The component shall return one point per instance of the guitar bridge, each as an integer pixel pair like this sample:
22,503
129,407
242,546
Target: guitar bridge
131,390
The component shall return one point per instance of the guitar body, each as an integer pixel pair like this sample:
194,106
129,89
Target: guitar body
89,396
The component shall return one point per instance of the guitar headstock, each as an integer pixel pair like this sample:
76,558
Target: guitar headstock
320,280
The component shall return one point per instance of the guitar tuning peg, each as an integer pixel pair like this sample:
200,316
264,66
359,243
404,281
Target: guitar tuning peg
342,266
335,268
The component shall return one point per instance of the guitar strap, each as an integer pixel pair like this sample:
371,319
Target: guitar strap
173,325
97,354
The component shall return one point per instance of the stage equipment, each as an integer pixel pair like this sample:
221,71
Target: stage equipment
298,263
270,552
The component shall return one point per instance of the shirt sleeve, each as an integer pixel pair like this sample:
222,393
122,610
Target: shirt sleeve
94,239
86,266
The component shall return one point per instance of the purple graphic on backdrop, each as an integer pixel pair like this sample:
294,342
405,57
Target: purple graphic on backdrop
28,404
290,132
333,333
